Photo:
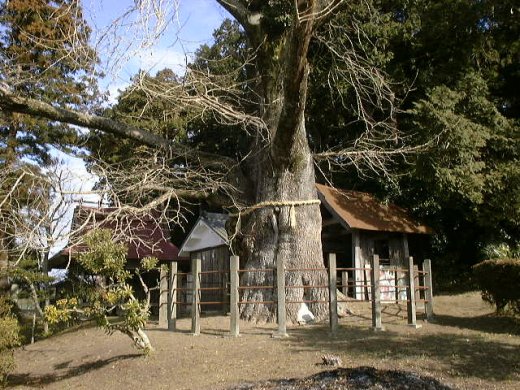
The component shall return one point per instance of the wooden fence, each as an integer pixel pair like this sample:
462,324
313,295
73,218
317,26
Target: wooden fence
400,285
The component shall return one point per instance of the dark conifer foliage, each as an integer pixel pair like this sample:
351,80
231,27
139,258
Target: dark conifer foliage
45,55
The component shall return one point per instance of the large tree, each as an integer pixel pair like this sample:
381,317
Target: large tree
37,61
458,101
455,62
462,57
274,196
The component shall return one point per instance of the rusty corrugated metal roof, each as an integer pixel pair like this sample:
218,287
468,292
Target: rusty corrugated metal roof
360,210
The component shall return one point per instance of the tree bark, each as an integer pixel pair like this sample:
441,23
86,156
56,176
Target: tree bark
284,172
140,339
269,237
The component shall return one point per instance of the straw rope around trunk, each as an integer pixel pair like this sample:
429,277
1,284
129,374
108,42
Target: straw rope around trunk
291,203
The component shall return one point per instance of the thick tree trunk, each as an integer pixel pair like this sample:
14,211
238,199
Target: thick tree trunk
284,173
271,237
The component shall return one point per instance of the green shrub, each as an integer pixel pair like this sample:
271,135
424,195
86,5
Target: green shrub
499,281
9,339
107,258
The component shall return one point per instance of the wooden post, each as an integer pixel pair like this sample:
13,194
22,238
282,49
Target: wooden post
233,304
333,296
376,294
410,295
189,290
344,283
163,296
417,285
195,302
428,292
172,297
280,288
406,256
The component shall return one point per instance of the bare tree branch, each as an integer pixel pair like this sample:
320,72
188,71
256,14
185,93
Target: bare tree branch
36,212
13,103
320,12
138,28
373,159
222,96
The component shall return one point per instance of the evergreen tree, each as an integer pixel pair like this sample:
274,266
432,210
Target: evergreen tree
44,55
456,62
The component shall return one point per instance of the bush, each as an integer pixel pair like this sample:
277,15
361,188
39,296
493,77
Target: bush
9,339
107,258
499,282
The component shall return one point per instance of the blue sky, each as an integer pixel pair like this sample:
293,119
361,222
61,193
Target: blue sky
191,26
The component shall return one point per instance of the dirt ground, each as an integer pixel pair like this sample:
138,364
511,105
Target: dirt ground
466,347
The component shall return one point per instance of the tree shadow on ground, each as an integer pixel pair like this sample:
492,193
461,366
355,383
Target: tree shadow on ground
29,380
464,355
220,331
490,323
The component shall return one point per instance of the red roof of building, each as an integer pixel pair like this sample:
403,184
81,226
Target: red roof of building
144,236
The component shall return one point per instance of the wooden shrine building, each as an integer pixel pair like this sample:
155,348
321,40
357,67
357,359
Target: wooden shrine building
356,226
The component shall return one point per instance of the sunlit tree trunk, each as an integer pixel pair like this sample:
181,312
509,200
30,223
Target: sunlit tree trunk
283,172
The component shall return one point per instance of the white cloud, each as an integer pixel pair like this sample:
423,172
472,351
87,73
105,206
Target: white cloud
114,90
154,59
76,178
151,61
79,182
